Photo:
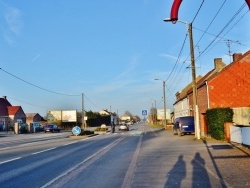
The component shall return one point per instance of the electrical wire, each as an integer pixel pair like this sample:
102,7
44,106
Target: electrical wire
211,22
222,30
178,57
198,11
69,95
27,102
36,85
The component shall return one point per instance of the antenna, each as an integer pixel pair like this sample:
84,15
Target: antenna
229,43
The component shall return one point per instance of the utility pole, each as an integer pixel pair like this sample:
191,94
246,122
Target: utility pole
195,106
164,99
83,113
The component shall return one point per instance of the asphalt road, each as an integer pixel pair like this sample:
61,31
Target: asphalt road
141,157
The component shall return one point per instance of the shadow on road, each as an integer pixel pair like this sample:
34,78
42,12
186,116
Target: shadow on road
200,176
176,174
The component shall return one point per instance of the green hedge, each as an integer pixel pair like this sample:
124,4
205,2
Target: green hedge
216,118
100,129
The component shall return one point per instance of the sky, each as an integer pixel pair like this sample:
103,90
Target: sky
54,51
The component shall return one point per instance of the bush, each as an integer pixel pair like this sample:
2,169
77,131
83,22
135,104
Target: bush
216,118
101,129
87,132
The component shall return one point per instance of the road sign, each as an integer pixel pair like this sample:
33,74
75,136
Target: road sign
144,112
76,130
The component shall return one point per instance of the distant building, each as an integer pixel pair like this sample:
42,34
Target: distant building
34,117
104,112
9,114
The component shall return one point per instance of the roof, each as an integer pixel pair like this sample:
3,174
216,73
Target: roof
183,92
4,103
12,110
240,58
218,67
30,115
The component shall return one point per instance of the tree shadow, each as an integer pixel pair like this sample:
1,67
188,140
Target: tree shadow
200,176
176,174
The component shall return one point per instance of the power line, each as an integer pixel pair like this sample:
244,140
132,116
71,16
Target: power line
28,103
69,95
211,22
222,30
178,57
198,11
36,85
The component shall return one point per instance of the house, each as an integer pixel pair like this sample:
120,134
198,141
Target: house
230,87
181,106
33,117
184,98
125,118
224,86
9,114
105,112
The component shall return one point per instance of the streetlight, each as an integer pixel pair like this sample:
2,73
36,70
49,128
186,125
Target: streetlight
195,106
164,99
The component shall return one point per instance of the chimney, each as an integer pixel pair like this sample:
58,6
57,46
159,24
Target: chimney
218,64
237,56
5,97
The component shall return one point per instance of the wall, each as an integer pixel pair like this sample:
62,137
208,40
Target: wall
231,87
181,108
202,99
241,116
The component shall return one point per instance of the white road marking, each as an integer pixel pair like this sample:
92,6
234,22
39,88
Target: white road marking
10,160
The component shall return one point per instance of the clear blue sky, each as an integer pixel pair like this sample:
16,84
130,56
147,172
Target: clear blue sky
110,50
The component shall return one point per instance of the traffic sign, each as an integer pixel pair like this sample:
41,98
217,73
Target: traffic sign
76,130
144,112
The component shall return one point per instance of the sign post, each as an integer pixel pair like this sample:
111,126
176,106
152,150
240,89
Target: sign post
144,113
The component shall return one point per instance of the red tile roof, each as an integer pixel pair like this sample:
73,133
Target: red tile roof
12,110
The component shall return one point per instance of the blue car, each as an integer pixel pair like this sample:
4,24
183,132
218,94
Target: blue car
184,125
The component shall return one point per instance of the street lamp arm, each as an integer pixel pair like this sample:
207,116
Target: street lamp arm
175,9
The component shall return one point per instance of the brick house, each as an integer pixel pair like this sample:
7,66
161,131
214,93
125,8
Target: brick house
182,106
184,98
226,87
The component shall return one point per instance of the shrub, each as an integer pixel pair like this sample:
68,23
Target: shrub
216,118
101,129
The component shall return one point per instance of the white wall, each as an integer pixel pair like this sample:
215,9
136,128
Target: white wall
181,108
240,135
235,134
246,135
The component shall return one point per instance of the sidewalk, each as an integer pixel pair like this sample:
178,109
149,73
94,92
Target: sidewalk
174,161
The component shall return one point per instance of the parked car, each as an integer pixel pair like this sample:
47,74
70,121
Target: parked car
184,125
36,127
124,127
51,128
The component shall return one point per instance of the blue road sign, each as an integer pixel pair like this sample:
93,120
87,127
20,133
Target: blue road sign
76,130
144,112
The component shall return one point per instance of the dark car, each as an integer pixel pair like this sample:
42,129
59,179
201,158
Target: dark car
51,128
184,125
